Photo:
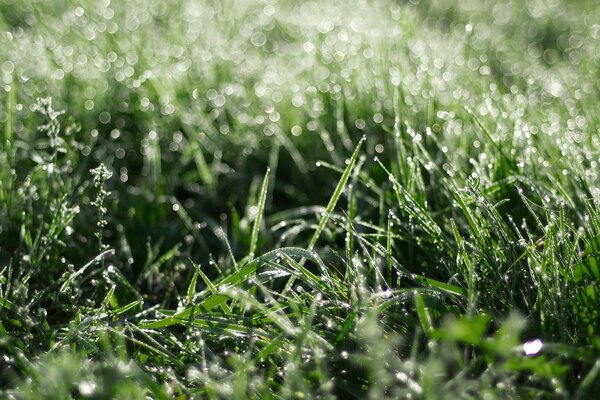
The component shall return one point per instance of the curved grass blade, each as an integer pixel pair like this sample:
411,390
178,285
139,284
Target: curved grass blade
71,279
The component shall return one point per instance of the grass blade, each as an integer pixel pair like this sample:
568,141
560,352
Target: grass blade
336,195
259,213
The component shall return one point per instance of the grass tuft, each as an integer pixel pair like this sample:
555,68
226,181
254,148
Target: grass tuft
427,226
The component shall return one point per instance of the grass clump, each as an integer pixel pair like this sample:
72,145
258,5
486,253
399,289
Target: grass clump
321,200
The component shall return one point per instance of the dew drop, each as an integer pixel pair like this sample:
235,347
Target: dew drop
532,347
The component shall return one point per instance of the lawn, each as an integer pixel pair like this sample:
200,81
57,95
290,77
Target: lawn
291,200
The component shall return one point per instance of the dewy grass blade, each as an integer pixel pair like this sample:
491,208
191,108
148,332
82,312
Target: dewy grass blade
217,298
339,189
388,248
307,275
362,176
127,307
71,279
212,288
351,217
336,195
471,281
260,210
407,203
5,303
10,111
423,314
202,166
191,291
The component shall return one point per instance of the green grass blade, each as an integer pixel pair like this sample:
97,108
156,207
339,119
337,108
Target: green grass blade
11,100
191,290
336,195
211,287
217,298
259,214
424,315
127,307
71,279
202,166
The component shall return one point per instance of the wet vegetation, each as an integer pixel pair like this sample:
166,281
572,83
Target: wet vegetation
277,199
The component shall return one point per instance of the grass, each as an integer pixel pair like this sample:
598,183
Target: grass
259,199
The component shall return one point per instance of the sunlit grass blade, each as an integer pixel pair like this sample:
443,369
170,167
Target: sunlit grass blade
335,196
11,100
260,208
191,290
211,287
217,298
203,170
424,315
72,277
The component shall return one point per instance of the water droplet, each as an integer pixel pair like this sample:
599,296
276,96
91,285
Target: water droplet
402,377
87,388
532,347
